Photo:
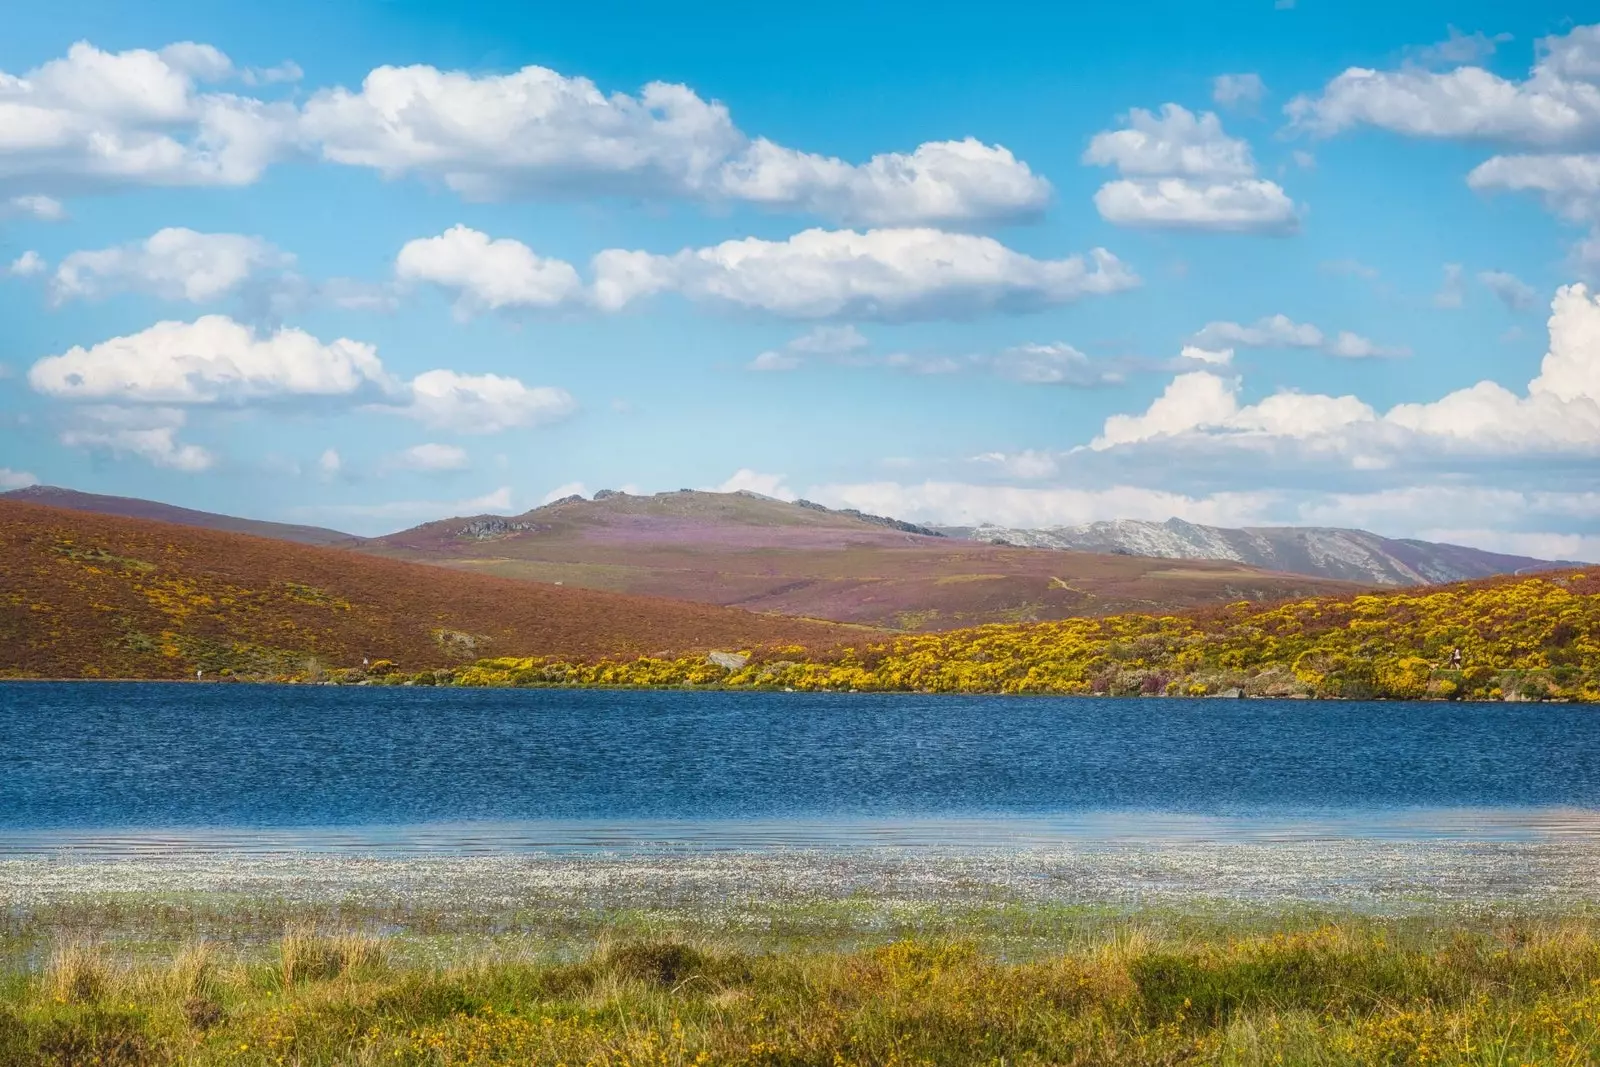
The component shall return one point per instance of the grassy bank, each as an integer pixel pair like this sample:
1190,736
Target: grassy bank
1350,990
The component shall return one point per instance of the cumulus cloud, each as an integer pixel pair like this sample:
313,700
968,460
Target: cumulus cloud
14,479
1513,292
486,274
746,480
1182,171
174,264
877,274
483,403
1238,90
150,434
215,360
96,119
381,518
1558,414
816,274
432,457
819,340
561,492
1557,104
330,463
211,360
537,131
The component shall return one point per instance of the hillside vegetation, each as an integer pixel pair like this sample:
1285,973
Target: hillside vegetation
87,596
1532,638
749,551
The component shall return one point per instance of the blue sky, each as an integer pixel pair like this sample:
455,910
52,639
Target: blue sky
374,263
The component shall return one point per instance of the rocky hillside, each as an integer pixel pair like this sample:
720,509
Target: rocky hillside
1349,555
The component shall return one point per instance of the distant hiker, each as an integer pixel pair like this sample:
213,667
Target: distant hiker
1455,659
197,673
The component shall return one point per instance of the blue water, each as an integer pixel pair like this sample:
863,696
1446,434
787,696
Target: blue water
82,756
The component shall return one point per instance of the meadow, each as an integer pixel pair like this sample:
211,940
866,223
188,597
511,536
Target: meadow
1136,989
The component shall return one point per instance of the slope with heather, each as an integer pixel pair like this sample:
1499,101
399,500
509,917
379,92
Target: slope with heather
86,595
744,550
1531,638
134,508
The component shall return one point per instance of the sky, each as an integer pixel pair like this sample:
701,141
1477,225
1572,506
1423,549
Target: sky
1250,263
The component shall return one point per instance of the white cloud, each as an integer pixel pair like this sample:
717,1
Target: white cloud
1027,465
965,504
173,264
828,340
1452,291
330,463
537,131
1052,364
940,183
483,403
1250,206
774,361
1459,48
286,72
1557,104
1219,357
1347,345
215,360
99,119
1569,185
488,275
1182,171
150,434
27,265
1238,90
561,492
819,340
433,457
1280,331
13,479
747,480
212,360
1274,331
878,274
1513,292
41,208
1560,412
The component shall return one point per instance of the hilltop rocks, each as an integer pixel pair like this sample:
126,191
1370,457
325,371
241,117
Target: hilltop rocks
728,661
485,529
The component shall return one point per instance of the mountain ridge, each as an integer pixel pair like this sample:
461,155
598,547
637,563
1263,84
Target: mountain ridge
1321,551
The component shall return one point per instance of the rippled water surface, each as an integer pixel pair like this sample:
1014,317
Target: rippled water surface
147,767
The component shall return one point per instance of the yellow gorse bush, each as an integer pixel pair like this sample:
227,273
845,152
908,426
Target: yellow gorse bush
1532,638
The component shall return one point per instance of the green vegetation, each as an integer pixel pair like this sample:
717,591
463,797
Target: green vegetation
1350,990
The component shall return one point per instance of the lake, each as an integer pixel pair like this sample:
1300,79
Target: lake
236,766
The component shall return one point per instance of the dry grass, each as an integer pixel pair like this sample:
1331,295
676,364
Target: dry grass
1356,992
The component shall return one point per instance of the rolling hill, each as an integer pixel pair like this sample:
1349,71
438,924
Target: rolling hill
750,551
88,595
1348,555
134,508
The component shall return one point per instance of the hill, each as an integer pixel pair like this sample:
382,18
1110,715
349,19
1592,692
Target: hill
134,508
1532,638
750,551
86,595
1348,555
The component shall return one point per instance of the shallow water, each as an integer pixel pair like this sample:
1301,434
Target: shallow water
131,769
